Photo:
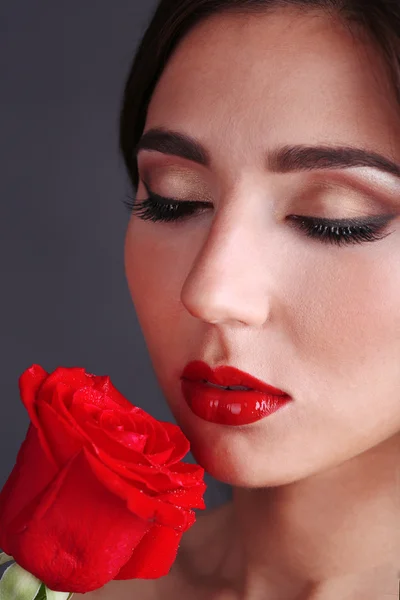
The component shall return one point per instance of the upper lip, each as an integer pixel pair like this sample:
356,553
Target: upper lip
227,376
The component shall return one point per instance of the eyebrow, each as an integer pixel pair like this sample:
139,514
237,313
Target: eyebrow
282,160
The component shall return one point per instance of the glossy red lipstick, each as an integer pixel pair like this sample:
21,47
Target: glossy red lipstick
228,406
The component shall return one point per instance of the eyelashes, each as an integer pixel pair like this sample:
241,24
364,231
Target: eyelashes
339,232
167,210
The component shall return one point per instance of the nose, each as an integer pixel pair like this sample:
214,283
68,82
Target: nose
230,281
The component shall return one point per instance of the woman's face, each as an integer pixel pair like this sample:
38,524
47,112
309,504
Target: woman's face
240,282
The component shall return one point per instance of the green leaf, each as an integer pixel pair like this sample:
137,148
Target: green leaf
5,558
18,584
42,593
51,595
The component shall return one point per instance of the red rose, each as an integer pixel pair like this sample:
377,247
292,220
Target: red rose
98,491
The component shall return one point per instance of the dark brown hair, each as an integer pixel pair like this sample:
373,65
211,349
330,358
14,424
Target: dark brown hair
173,19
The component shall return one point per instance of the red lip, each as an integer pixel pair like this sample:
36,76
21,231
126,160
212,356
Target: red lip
229,407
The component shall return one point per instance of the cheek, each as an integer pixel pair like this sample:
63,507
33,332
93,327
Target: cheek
145,270
155,271
346,326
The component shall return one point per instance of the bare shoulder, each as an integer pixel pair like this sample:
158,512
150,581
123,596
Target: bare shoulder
197,555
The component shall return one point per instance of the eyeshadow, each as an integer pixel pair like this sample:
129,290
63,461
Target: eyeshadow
176,182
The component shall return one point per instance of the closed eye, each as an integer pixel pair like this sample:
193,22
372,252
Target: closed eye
339,232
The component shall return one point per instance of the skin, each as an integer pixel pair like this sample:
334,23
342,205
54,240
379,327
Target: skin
315,511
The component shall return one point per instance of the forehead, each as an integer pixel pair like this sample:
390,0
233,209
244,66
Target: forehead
247,81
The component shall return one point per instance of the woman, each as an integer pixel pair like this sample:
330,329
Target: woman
262,139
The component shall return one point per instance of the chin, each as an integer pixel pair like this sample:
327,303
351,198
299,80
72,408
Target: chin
232,459
240,473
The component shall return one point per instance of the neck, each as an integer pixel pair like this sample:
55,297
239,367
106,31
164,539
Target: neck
317,533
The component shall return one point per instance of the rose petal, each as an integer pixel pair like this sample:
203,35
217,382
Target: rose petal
186,498
150,482
147,482
63,439
24,483
147,507
155,478
73,377
177,440
30,383
91,396
109,442
62,402
147,424
79,535
80,413
76,377
105,385
111,419
129,439
161,458
159,441
154,556
179,474
187,470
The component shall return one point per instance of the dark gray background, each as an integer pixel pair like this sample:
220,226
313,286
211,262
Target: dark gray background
64,297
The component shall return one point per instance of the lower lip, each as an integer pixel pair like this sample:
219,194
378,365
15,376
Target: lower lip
229,407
